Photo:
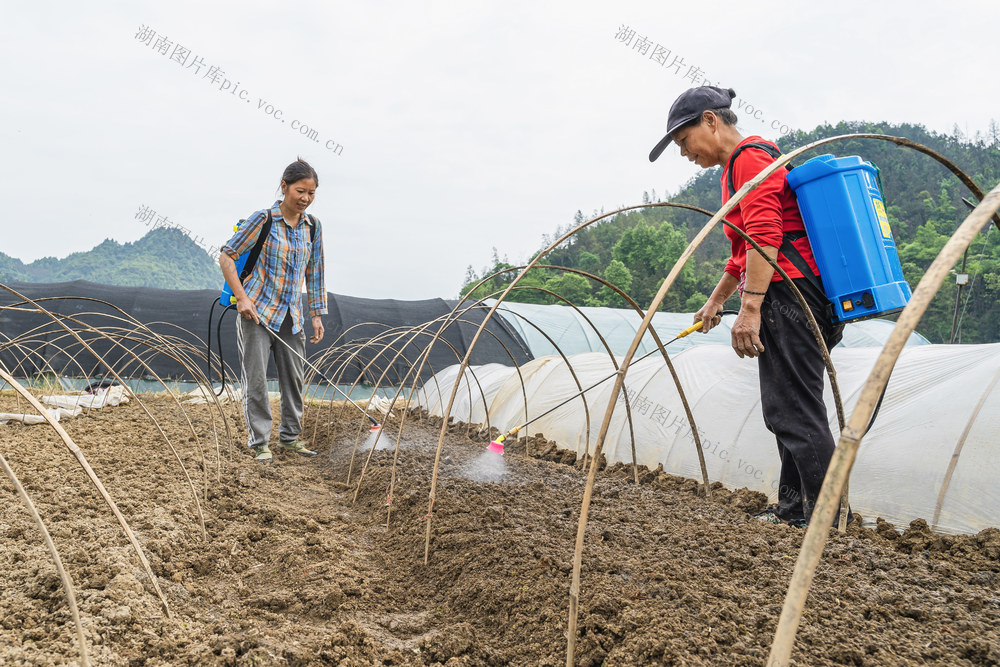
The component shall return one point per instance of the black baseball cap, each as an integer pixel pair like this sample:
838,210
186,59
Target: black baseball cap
690,105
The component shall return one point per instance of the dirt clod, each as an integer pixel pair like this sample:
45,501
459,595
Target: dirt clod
294,572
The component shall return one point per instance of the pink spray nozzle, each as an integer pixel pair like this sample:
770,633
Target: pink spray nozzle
496,447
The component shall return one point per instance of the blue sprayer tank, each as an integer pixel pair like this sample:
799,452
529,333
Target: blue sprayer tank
845,219
227,298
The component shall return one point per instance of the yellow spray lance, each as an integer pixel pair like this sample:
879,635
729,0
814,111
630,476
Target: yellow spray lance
496,446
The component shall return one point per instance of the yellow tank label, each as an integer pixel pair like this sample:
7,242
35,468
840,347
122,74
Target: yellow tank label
883,219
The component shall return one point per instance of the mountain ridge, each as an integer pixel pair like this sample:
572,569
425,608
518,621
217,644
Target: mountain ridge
165,257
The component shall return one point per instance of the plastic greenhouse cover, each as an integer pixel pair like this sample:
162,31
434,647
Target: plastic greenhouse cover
572,333
932,452
477,389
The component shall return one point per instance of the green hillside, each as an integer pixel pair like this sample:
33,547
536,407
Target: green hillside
635,250
164,258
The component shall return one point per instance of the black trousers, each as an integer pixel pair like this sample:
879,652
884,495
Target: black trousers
791,390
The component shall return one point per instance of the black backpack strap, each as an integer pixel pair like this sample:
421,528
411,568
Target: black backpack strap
793,255
312,227
787,248
257,247
767,148
814,283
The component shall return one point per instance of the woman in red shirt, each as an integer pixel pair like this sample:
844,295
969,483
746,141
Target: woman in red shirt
771,324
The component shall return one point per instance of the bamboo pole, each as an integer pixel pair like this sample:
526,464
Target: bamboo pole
176,345
399,390
850,439
574,589
82,460
159,428
465,361
413,390
67,583
667,283
607,348
670,367
57,318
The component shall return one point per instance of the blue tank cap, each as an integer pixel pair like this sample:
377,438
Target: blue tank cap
825,165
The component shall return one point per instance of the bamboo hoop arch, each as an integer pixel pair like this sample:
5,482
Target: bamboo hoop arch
82,460
661,293
58,319
396,396
465,361
67,582
850,439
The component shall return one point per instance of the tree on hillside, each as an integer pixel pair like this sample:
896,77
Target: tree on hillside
923,202
618,275
648,252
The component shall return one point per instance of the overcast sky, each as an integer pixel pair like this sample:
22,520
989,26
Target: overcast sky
460,125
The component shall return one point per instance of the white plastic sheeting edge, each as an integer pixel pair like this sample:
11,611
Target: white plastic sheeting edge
71,405
30,419
114,395
941,412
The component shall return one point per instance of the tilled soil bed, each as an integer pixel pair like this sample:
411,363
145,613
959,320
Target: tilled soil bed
293,572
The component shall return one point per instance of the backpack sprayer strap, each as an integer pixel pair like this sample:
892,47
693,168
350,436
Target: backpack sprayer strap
787,248
257,247
767,148
814,283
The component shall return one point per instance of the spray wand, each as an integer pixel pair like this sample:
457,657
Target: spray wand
496,446
375,425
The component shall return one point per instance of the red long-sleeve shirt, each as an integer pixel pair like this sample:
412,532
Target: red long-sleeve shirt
766,214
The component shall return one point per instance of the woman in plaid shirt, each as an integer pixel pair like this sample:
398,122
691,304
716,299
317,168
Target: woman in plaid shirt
271,298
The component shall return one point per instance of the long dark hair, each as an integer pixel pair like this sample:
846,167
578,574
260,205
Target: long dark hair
298,170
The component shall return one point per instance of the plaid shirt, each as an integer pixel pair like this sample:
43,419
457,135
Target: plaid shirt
286,260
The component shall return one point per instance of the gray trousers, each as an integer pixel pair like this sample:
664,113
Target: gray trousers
256,345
